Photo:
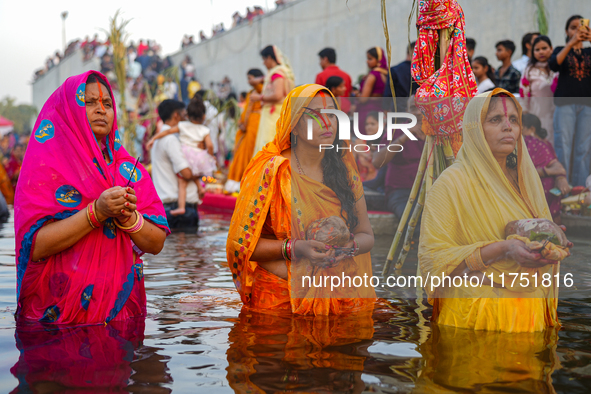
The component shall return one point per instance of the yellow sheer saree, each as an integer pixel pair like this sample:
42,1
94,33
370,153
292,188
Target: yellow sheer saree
467,208
270,113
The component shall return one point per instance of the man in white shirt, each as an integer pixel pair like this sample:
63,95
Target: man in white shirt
526,47
168,162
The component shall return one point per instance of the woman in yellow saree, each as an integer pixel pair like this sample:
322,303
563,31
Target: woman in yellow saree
271,195
278,83
247,132
463,227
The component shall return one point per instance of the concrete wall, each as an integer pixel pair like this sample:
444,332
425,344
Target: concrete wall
44,86
302,28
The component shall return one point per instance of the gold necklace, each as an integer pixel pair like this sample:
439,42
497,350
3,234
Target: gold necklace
514,180
300,169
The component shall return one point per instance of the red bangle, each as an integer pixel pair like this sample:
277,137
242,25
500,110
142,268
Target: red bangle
289,250
91,209
125,221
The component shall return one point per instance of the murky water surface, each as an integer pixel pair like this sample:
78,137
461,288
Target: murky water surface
211,346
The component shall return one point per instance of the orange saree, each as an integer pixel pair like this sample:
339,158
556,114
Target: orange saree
245,139
266,198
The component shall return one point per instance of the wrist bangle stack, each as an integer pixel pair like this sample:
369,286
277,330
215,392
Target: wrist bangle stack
286,249
355,247
91,215
474,262
134,228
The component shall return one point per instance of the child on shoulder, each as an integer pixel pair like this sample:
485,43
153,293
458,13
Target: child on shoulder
197,147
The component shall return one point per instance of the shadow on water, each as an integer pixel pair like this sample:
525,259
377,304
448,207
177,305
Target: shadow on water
197,338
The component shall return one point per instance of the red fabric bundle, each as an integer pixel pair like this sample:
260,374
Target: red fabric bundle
444,93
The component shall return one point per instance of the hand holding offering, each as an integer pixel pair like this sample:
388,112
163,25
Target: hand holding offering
333,232
540,235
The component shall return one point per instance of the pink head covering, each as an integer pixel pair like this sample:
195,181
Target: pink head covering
382,66
100,278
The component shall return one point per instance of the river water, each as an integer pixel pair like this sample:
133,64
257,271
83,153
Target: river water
197,339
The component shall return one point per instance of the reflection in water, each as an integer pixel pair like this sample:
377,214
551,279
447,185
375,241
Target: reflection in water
79,359
458,360
269,353
199,340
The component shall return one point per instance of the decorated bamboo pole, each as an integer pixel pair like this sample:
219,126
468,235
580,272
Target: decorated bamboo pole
436,156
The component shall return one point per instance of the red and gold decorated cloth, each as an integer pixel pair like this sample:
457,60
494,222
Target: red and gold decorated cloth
444,93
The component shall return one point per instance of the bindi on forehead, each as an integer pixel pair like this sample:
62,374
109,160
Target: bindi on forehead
503,100
101,95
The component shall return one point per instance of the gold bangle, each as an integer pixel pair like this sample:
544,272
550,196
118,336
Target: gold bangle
88,217
474,261
137,219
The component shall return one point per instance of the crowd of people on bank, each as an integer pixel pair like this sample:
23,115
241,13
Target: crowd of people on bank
542,72
103,50
237,20
393,179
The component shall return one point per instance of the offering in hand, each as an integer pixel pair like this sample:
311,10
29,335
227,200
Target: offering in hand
331,231
540,235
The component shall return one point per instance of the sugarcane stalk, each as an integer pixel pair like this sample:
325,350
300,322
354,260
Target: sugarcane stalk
411,226
388,51
117,37
442,162
448,151
437,160
426,185
413,193
152,113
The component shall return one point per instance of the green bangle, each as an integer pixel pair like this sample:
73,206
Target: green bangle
284,249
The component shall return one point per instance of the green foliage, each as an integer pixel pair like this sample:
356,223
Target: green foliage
22,115
544,236
541,17
118,38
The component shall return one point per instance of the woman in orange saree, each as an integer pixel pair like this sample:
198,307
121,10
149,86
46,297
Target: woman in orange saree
275,207
247,133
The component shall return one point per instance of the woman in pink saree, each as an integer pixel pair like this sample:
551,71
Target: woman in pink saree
83,214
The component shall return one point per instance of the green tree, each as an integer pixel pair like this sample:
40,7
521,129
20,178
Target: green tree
22,115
